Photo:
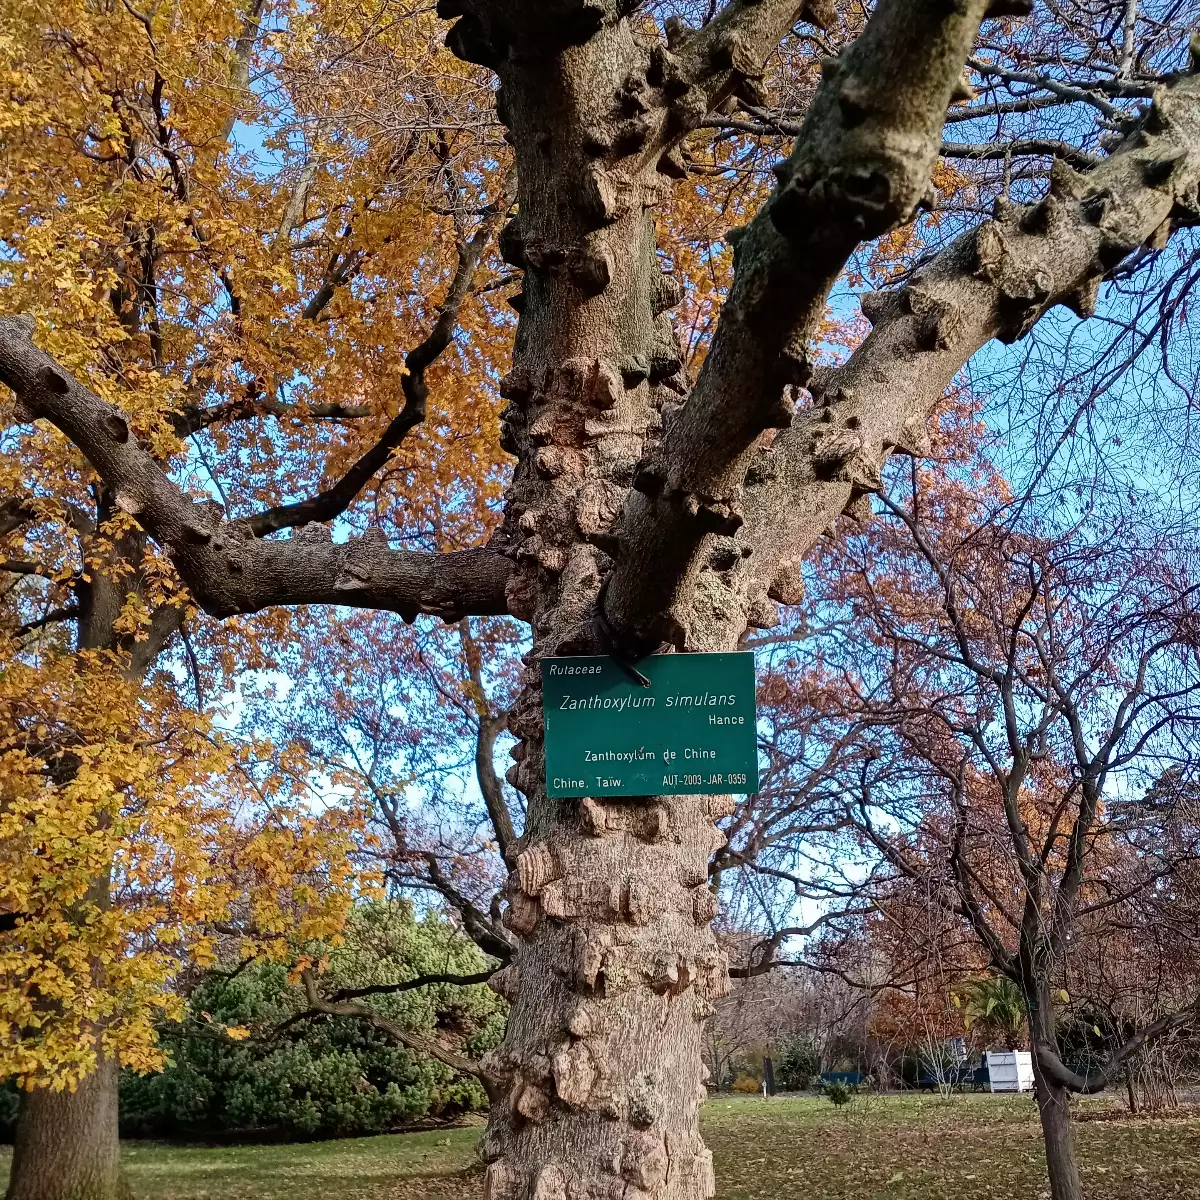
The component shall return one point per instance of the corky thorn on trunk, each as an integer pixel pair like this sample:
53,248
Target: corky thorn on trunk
608,900
227,568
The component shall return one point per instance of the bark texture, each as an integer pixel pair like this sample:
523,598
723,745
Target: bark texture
996,281
610,901
66,1145
861,164
1062,1163
616,966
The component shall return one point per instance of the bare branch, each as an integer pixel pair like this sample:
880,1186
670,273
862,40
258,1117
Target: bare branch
410,985
1095,1081
423,1045
994,282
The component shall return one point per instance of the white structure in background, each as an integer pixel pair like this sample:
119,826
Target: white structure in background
1010,1070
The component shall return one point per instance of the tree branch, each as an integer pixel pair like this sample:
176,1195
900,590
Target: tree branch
490,727
726,56
51,618
422,1045
1022,147
13,514
1095,1081
226,567
410,985
995,281
861,165
327,504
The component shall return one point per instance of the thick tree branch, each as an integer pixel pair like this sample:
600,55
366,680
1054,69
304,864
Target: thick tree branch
13,514
240,60
1065,91
719,58
165,622
861,165
491,725
21,566
52,617
994,282
1022,148
192,420
226,567
486,933
767,126
727,55
762,957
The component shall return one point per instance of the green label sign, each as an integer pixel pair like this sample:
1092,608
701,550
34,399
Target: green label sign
692,731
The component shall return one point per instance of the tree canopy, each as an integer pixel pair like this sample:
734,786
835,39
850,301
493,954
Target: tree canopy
263,264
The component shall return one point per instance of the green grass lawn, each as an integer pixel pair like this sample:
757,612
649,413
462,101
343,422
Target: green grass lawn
894,1148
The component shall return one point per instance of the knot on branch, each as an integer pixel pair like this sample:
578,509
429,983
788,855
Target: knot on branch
205,518
665,292
313,534
938,321
913,438
1024,284
712,514
841,455
861,198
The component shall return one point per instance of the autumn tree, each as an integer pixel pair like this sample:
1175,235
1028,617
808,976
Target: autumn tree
647,506
1026,669
1134,960
239,301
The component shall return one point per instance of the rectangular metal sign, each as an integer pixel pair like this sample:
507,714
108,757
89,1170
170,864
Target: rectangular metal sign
691,731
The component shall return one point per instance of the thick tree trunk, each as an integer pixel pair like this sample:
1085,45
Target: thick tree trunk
66,1146
617,963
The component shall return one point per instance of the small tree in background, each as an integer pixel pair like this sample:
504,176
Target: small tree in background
303,1073
1021,670
994,1005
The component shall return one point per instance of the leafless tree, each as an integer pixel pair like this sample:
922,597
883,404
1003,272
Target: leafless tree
1024,684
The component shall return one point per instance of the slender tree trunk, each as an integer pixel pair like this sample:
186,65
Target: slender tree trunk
66,1145
1053,1100
1129,1090
1062,1164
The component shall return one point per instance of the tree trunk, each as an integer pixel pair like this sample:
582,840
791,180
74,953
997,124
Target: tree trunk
66,1145
1062,1165
1053,1100
617,964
